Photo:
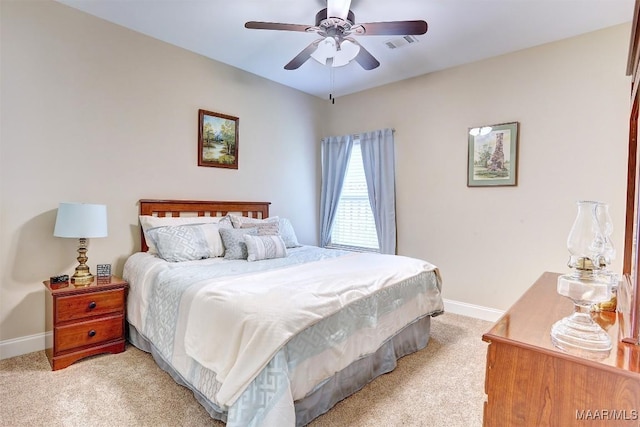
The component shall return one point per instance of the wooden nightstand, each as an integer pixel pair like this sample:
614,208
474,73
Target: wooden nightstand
86,320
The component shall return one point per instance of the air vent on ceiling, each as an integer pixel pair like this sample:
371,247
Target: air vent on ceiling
401,42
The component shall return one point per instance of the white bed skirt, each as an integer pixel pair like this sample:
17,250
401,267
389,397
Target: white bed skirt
410,339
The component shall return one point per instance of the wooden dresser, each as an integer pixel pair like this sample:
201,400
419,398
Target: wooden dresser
529,382
86,320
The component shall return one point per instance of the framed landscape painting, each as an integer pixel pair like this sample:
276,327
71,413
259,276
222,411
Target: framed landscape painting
493,155
217,140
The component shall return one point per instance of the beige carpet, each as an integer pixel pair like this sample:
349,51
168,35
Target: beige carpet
441,385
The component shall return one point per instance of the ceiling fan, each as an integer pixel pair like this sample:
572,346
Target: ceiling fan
336,26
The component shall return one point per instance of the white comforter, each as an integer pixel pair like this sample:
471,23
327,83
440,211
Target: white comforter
254,315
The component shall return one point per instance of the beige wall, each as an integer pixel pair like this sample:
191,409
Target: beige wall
95,113
92,112
571,100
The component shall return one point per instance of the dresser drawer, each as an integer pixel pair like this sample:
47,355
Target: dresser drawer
92,304
88,333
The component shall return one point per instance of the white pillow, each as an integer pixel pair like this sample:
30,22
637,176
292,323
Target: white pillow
264,247
212,236
288,234
148,222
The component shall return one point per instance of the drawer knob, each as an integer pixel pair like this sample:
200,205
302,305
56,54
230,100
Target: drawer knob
92,305
92,333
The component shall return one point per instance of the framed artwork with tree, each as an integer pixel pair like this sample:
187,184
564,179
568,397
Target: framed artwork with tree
217,140
493,155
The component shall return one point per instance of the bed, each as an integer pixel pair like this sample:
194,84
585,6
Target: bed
274,333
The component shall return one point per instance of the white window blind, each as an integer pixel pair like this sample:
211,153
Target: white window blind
354,226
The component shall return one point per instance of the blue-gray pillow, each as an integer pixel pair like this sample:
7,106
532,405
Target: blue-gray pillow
234,245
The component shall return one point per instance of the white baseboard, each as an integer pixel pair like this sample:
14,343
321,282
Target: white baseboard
471,310
24,345
37,342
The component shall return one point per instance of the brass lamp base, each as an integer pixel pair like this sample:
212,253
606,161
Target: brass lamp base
82,276
82,280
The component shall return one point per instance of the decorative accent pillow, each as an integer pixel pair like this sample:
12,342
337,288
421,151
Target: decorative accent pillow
234,245
148,222
264,228
285,229
288,234
180,243
264,247
238,220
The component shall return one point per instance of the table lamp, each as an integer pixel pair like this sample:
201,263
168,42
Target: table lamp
81,221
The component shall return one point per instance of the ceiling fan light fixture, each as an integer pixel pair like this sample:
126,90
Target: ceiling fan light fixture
327,52
335,24
348,51
326,49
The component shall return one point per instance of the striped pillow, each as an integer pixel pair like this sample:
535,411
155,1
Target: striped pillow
264,228
238,221
264,247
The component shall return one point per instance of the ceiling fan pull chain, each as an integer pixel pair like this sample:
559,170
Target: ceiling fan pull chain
331,85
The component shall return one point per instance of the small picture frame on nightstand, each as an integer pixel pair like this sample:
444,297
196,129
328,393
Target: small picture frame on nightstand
103,270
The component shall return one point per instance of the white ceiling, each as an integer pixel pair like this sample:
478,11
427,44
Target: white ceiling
460,31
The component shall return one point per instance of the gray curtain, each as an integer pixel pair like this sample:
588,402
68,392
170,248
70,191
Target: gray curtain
335,153
378,158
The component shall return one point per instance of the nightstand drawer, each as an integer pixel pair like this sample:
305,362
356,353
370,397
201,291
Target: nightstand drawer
93,304
88,333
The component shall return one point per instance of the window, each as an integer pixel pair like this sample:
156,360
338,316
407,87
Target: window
354,227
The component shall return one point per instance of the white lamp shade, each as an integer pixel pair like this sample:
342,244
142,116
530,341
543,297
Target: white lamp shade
81,220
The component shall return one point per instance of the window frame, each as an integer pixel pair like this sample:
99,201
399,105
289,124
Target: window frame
349,247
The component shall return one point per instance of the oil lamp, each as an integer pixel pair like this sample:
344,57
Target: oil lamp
589,283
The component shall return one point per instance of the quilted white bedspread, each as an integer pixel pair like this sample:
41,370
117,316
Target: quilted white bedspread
256,314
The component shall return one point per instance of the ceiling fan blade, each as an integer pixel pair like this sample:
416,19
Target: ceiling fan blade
364,58
338,8
255,25
393,28
303,56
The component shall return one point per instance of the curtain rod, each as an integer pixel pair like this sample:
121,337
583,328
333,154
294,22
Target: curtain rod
353,135
358,134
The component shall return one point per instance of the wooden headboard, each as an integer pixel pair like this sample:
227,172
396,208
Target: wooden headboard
176,208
